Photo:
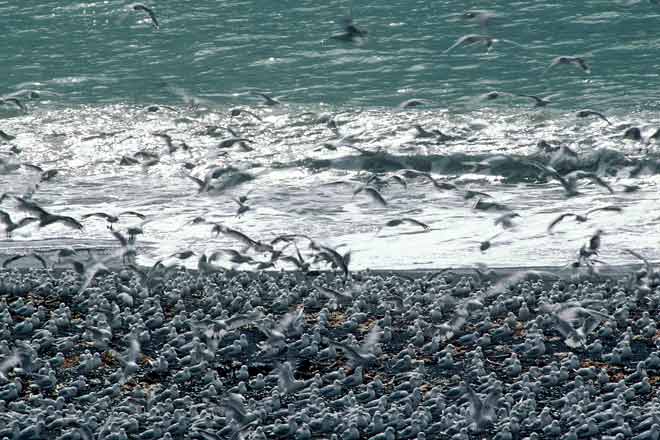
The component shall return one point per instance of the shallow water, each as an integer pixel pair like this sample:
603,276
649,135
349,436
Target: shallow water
97,65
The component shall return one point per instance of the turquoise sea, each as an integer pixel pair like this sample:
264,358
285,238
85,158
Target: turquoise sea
109,84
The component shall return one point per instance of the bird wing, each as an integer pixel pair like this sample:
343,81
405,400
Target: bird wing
120,238
40,259
89,275
25,221
415,222
234,402
465,39
400,180
31,207
375,196
553,63
33,167
65,220
558,219
5,218
238,321
200,183
583,65
647,265
152,14
476,404
133,350
102,215
348,350
10,260
332,294
612,208
134,213
372,339
598,181
564,327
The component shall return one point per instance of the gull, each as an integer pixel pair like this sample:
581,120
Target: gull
351,32
298,261
47,175
17,102
485,245
647,264
421,132
129,362
633,133
234,256
46,218
235,405
277,336
568,313
506,219
362,355
112,219
183,255
239,111
223,326
538,101
339,297
128,250
258,245
411,103
467,40
7,364
502,285
168,141
229,142
488,206
242,207
203,185
571,179
89,270
335,258
286,383
398,179
581,218
10,226
494,95
577,61
437,184
268,100
204,266
482,412
6,137
399,221
152,15
146,155
563,153
587,113
594,241
151,278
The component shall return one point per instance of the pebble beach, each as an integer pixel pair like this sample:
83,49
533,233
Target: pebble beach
193,355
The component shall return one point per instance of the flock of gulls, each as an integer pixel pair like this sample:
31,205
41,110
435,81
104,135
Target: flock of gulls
97,347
